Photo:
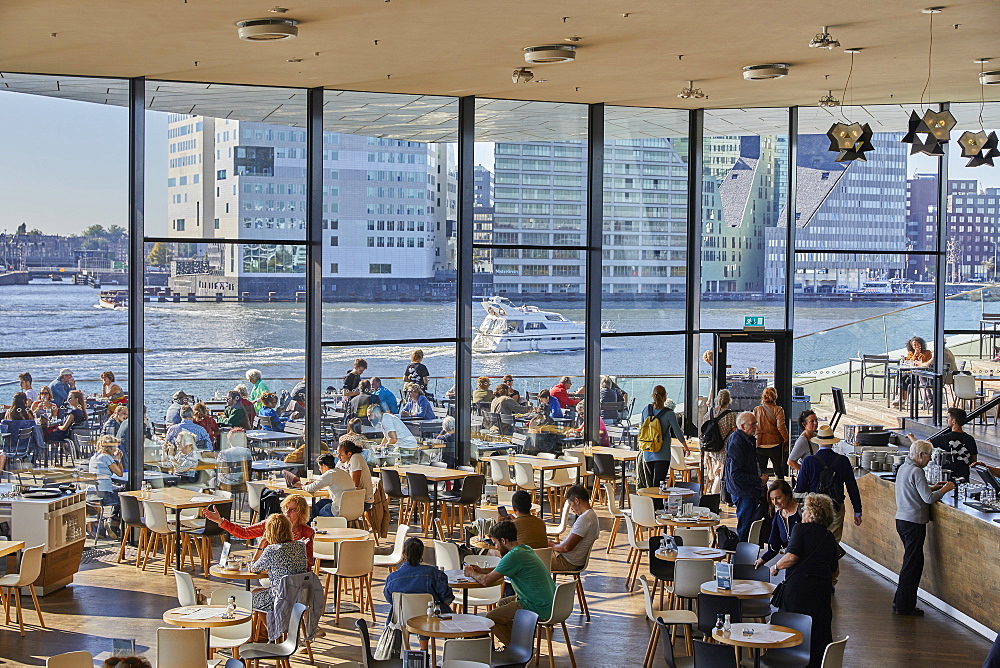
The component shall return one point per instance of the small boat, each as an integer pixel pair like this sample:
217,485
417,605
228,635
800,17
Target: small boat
508,328
55,277
113,299
893,287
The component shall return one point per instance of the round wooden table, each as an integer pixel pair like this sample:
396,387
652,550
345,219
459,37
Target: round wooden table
459,626
337,534
758,641
689,552
242,574
459,580
176,617
700,522
741,589
655,492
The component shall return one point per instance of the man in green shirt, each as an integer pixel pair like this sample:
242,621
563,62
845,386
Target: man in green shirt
530,578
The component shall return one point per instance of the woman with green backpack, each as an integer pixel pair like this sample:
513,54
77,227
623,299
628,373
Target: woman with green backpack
657,459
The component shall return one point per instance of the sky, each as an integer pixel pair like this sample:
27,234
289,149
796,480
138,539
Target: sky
64,165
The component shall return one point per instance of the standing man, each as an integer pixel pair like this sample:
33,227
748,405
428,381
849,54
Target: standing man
24,379
61,387
744,481
913,501
828,472
530,578
961,445
385,397
353,378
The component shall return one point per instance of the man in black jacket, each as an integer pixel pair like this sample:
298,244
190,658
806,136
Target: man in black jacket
744,480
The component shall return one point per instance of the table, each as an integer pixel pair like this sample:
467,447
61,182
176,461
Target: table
243,574
9,549
435,475
458,580
703,522
272,437
179,499
542,465
741,589
268,465
620,454
736,638
459,626
282,486
689,552
175,617
655,492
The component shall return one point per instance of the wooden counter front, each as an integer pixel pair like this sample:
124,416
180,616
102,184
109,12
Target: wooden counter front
961,564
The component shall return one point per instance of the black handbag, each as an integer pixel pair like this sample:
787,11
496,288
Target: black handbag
778,596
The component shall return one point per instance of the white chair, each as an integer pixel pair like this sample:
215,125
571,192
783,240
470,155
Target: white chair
180,648
254,488
833,656
562,608
485,597
581,595
524,477
325,550
161,531
231,637
556,530
355,559
966,395
545,554
689,575
185,589
684,618
81,659
500,473
464,650
256,651
352,505
10,585
446,556
487,514
394,558
408,606
616,513
323,522
755,528
459,663
694,536
482,560
636,548
680,465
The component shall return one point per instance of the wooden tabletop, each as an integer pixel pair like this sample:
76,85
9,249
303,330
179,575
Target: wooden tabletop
703,522
459,626
10,547
689,552
337,534
433,473
617,453
655,492
175,617
459,580
741,589
280,486
541,463
735,636
245,574
177,497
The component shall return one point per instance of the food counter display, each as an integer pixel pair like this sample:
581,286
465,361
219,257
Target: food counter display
961,564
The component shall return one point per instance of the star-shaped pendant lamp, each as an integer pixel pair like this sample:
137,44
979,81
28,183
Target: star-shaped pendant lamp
980,147
851,140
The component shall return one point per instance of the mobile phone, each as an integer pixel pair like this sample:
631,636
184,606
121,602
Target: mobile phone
502,511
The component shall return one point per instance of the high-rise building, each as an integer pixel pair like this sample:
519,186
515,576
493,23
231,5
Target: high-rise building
482,184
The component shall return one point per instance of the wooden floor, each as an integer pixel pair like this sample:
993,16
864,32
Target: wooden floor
110,601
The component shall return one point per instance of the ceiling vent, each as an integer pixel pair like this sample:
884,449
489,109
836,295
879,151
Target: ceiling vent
769,71
549,54
267,30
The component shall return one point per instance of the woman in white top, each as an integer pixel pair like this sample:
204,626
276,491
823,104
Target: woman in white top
352,460
185,461
106,462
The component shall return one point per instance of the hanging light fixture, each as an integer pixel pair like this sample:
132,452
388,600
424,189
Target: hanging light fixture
936,125
849,140
828,100
980,147
690,91
823,40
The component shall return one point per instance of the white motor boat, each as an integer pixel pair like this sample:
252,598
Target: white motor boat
116,300
508,328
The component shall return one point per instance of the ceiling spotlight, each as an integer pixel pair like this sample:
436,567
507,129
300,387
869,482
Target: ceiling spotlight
769,71
990,78
690,91
522,75
823,40
277,10
829,100
549,53
265,30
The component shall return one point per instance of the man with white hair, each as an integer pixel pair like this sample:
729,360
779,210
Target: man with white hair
913,501
744,480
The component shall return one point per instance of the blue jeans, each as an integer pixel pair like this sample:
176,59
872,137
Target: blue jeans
323,508
746,513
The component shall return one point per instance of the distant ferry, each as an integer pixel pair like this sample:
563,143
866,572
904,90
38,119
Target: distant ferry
508,328
885,288
113,299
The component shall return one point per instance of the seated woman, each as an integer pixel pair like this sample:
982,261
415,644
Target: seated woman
19,408
269,401
183,457
283,555
106,462
448,436
203,417
785,516
77,415
44,408
578,432
917,355
507,408
417,405
115,420
295,510
112,391
414,577
482,391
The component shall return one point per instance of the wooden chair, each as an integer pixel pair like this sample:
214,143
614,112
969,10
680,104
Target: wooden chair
355,561
10,585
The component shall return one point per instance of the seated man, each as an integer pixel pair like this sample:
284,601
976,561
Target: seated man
114,422
337,481
530,578
230,467
530,529
202,440
571,554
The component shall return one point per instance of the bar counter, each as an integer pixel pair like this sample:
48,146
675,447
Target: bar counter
961,553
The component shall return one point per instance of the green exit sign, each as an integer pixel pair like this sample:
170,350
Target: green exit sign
753,321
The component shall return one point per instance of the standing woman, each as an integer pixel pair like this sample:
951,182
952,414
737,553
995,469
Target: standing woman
715,462
260,388
772,434
112,391
658,463
803,444
416,372
811,559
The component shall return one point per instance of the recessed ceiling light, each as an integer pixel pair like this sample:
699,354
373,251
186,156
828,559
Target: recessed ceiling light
769,71
549,53
265,30
990,78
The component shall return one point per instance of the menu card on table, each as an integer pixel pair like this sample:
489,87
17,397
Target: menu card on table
724,576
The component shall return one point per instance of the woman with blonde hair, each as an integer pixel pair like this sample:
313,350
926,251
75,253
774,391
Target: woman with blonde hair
283,556
715,462
772,432
295,510
811,558
76,415
105,463
658,463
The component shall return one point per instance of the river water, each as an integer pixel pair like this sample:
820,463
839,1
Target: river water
205,348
